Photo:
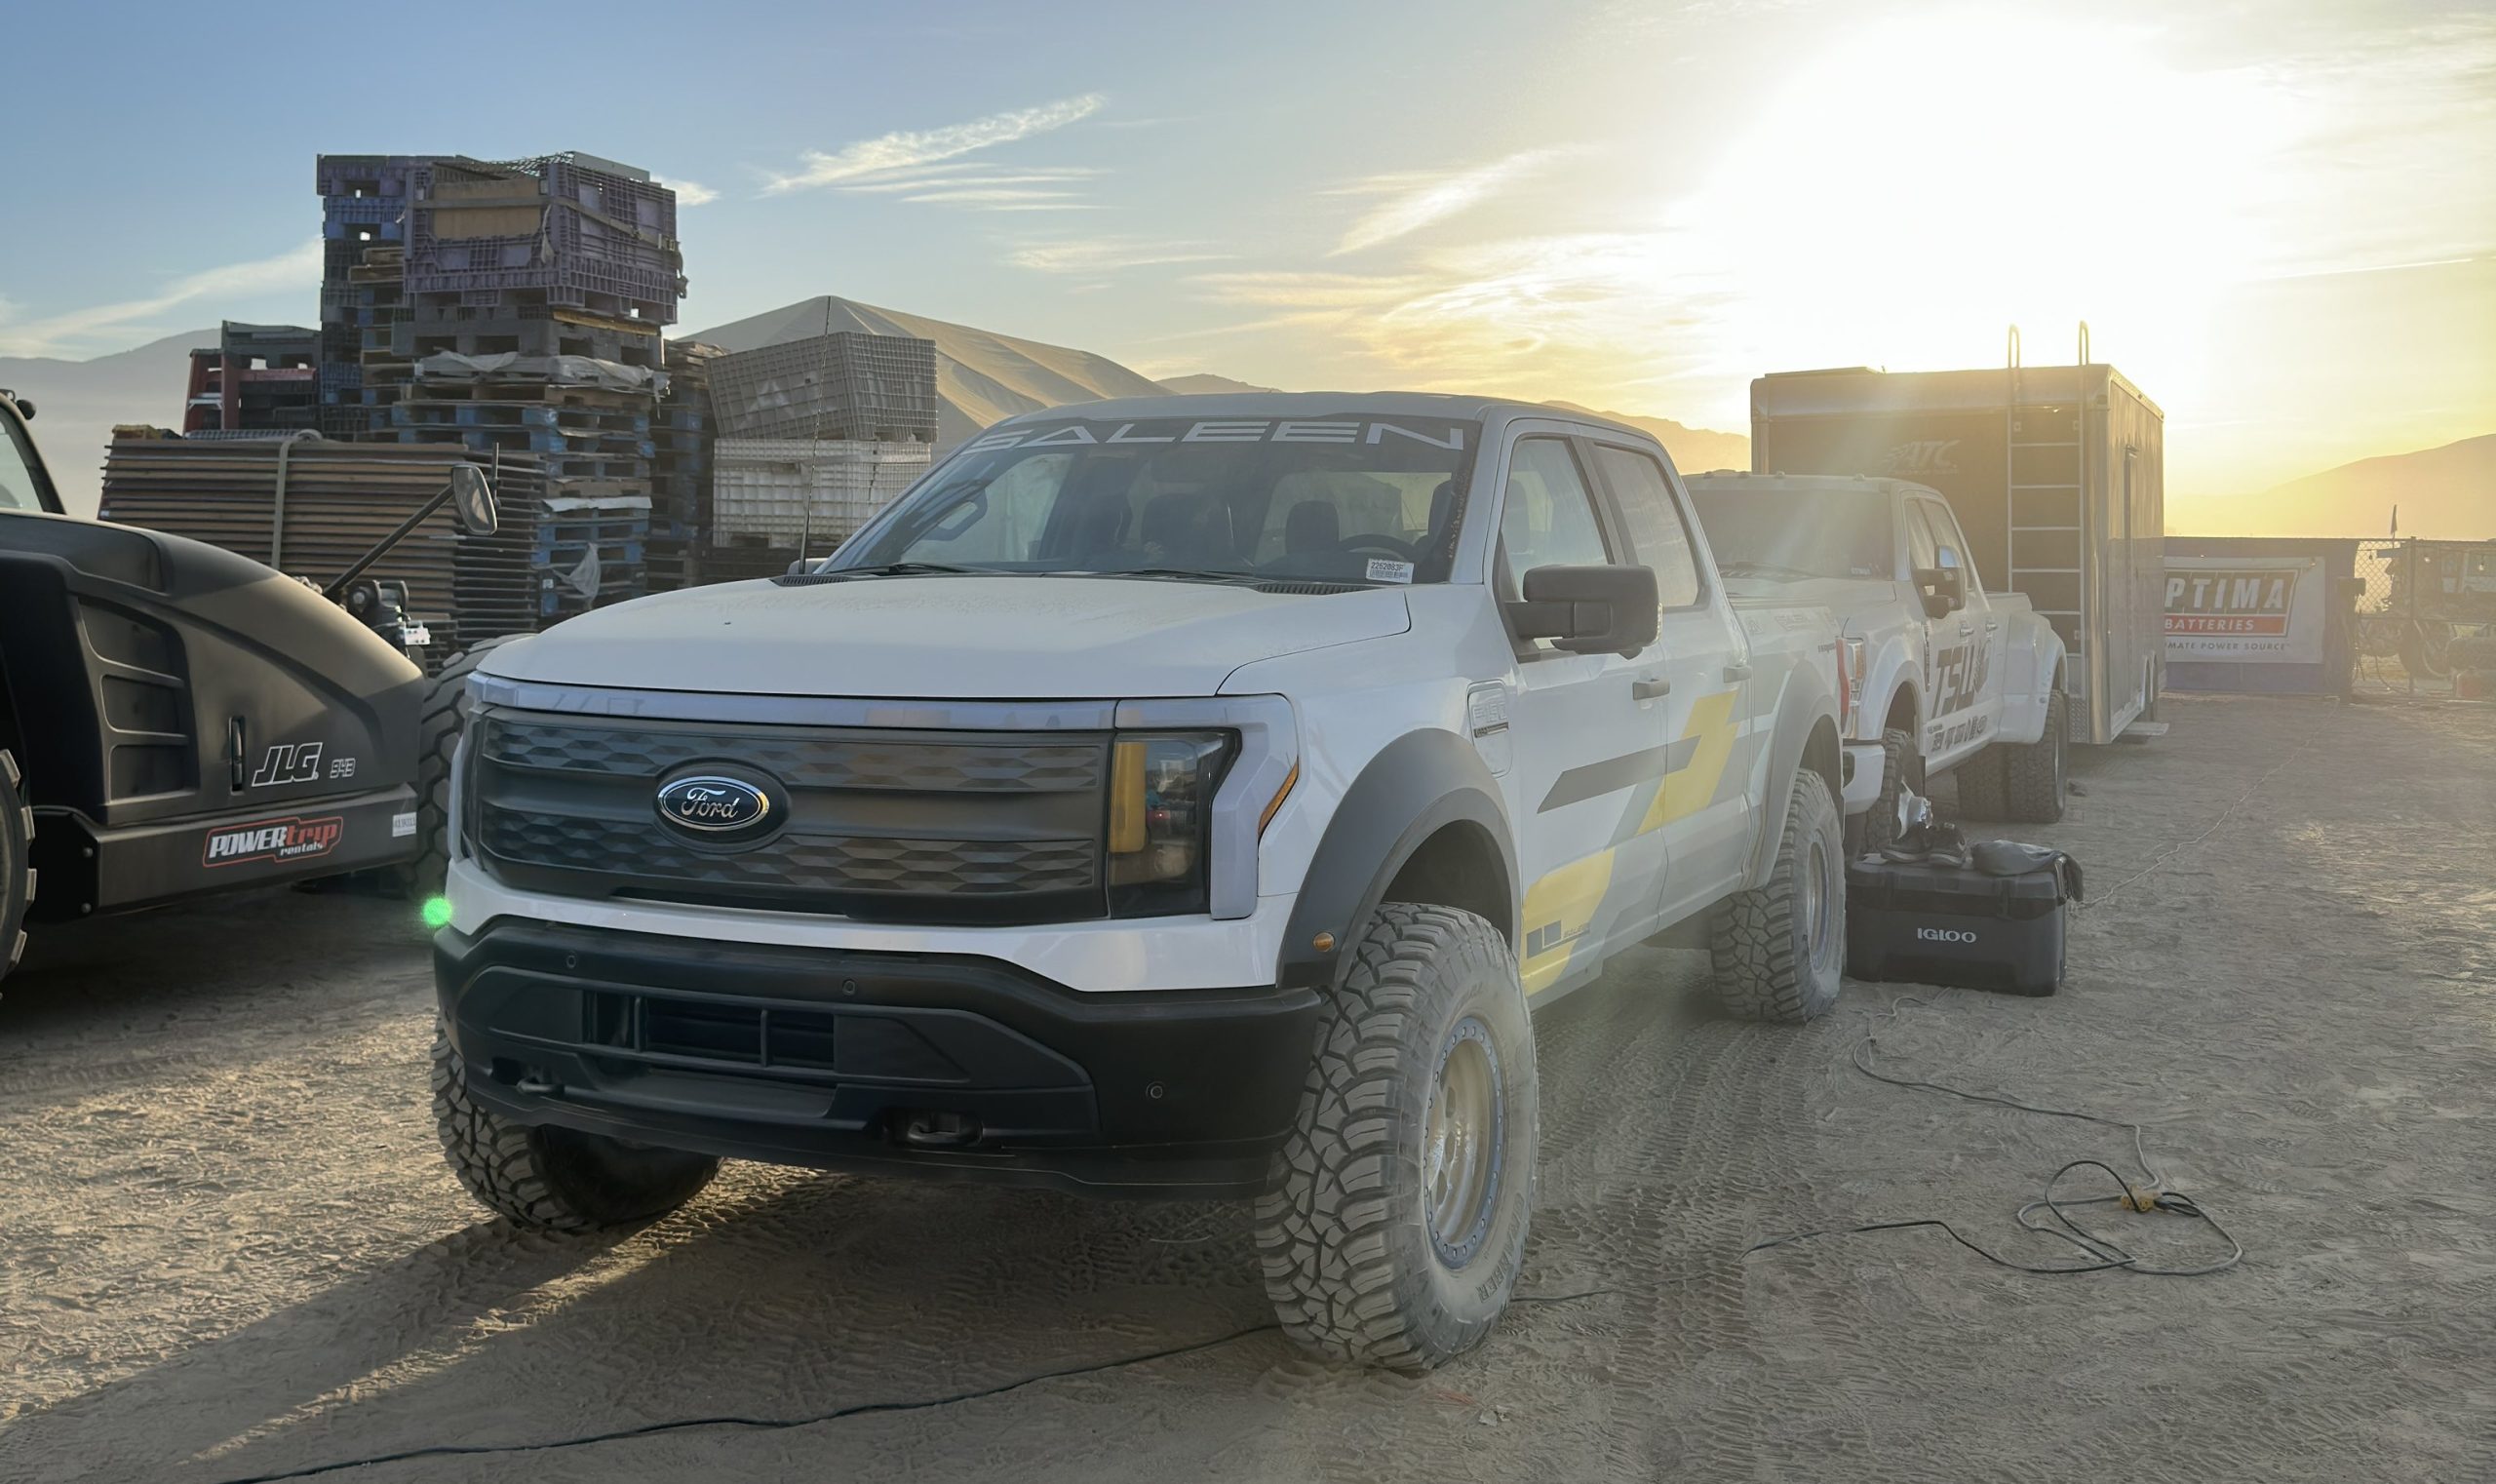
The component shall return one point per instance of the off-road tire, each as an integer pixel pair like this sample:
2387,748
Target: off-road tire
17,869
1980,778
1901,767
1350,1263
1780,949
553,1179
2034,775
439,728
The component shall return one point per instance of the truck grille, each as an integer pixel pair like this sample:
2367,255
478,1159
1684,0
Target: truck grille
883,825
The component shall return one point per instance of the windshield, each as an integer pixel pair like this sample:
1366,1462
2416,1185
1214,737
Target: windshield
1776,533
1339,500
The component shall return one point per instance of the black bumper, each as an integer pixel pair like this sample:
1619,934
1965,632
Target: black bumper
959,1068
87,869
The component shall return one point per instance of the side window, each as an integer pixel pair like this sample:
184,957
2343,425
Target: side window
18,489
1657,536
1549,519
1921,555
1946,533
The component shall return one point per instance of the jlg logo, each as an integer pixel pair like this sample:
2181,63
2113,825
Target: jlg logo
1944,935
288,762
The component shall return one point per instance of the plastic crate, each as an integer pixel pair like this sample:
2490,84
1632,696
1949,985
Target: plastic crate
848,385
786,488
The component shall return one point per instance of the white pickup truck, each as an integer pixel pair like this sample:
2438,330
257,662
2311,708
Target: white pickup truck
1944,676
1180,796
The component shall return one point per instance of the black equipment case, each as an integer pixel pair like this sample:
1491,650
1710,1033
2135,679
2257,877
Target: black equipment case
1935,922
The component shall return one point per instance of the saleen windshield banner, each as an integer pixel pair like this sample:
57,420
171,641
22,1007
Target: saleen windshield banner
2238,609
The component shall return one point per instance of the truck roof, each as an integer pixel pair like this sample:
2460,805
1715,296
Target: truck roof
1457,406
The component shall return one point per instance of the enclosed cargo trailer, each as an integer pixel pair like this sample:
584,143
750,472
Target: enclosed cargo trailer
2057,474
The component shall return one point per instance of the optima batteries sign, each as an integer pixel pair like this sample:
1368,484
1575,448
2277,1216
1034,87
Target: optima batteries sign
2244,610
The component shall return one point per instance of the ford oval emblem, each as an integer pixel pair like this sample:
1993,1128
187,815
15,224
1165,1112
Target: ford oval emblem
715,806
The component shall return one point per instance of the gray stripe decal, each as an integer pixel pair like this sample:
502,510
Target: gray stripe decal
1612,774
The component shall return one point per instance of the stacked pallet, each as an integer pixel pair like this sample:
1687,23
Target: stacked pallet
338,499
257,378
377,310
533,294
681,471
364,209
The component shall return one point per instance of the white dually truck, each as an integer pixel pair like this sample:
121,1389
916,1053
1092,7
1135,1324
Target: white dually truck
1180,796
1942,675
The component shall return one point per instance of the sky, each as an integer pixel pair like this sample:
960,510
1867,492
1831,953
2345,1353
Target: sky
2277,218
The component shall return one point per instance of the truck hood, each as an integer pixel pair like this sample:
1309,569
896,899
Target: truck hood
951,637
1861,598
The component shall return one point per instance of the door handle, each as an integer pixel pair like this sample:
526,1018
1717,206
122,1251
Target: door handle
1651,688
1992,624
1966,626
1738,670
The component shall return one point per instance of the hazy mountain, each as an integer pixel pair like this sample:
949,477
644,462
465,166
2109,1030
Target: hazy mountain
78,402
981,376
1205,384
1695,451
2447,493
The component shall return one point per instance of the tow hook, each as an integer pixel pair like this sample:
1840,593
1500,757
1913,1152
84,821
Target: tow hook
536,1085
936,1130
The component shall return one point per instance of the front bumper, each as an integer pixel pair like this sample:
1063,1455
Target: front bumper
953,1066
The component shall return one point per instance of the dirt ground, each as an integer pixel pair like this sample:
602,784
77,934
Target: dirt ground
231,1248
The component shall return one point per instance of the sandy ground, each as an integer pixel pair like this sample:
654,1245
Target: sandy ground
231,1247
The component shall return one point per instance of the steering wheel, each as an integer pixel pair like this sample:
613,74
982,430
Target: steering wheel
1402,551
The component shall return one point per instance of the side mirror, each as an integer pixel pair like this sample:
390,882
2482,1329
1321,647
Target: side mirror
25,409
1944,590
472,501
1588,609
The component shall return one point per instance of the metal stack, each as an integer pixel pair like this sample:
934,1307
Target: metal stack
814,437
310,506
363,207
533,297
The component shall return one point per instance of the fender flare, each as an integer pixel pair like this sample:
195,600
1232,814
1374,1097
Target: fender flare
1801,713
1416,786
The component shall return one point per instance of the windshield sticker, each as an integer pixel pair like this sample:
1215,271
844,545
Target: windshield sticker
1224,430
1381,569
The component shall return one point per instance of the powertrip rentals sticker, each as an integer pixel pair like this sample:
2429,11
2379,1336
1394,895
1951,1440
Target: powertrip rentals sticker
272,840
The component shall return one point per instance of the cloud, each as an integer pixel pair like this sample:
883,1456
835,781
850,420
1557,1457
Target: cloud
687,192
1417,201
298,268
905,150
1107,254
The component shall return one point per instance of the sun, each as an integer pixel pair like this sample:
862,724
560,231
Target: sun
1917,186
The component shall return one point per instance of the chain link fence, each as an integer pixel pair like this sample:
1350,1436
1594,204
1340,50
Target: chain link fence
2427,615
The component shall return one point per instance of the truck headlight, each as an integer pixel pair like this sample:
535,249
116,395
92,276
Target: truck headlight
1161,787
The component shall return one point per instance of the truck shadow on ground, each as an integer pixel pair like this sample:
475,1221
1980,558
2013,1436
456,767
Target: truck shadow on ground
783,1294
777,1294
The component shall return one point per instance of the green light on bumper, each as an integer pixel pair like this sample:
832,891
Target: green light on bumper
437,912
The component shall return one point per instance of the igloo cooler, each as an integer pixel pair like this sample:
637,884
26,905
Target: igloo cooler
1931,923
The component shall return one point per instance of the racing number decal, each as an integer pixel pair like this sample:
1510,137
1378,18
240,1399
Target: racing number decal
1959,676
